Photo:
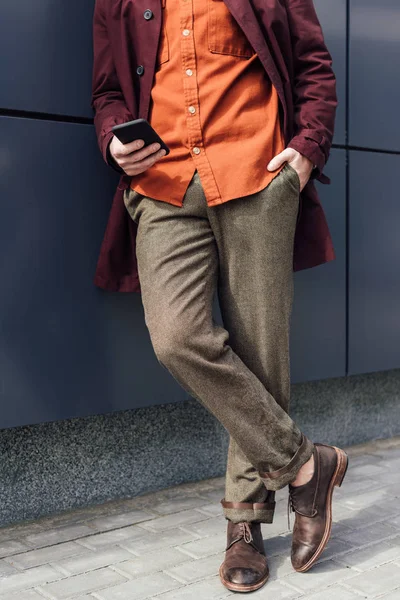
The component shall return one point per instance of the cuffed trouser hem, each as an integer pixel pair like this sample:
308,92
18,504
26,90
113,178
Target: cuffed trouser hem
275,480
236,512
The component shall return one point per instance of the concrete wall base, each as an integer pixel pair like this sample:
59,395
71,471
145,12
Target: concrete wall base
52,467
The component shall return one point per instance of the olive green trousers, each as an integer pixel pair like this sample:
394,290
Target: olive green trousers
243,251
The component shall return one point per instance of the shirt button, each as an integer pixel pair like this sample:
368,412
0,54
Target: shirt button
189,72
196,150
192,109
140,70
186,32
148,14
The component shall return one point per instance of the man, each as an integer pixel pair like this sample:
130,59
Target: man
244,95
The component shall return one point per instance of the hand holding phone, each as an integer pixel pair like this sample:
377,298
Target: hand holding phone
136,146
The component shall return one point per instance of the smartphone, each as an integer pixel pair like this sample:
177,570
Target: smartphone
139,129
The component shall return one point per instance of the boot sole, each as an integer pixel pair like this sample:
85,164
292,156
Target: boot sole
237,587
337,479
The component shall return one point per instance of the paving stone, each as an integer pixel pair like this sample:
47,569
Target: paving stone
29,579
396,521
113,507
387,453
85,597
6,569
158,541
394,541
208,589
208,527
367,535
356,519
339,529
178,504
82,584
214,495
274,590
211,510
151,563
121,520
282,495
172,521
62,534
280,544
366,458
367,470
392,464
392,490
197,569
355,487
42,556
394,595
71,517
169,545
372,500
334,592
380,580
12,547
203,547
25,595
141,588
279,566
322,575
335,548
371,556
91,560
279,525
391,476
19,530
112,537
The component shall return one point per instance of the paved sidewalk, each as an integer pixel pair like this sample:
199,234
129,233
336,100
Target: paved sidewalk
169,545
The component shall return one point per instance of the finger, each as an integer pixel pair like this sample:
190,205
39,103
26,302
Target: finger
138,155
138,167
122,150
279,159
141,154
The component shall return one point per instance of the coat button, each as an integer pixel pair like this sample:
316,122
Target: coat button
140,70
148,14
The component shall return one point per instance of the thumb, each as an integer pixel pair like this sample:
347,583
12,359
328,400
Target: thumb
279,159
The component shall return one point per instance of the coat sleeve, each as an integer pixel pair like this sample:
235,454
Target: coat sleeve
314,85
107,97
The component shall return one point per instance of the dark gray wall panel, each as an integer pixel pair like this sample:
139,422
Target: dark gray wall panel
374,82
66,348
374,315
51,46
332,16
46,56
318,332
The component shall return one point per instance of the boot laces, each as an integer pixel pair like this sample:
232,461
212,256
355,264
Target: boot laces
291,507
246,532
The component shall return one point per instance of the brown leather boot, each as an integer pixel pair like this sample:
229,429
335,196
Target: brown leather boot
312,504
245,567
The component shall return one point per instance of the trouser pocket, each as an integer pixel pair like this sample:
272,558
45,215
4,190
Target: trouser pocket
296,179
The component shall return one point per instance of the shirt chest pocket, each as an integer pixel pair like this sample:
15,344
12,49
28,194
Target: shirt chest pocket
224,34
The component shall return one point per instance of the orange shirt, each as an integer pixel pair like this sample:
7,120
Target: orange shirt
213,105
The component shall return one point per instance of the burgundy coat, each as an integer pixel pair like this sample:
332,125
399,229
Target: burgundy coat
288,39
